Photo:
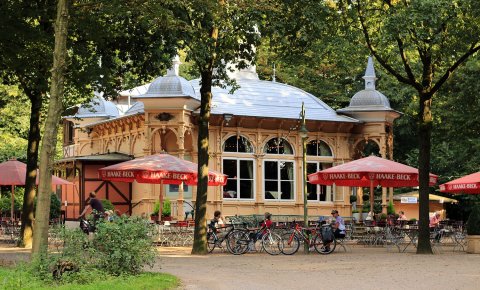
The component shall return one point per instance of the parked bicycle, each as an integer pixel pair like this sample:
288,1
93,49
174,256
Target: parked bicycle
216,239
313,237
241,240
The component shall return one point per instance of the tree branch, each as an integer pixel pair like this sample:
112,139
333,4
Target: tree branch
406,65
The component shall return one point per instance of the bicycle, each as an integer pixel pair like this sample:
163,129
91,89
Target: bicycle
214,240
291,239
240,240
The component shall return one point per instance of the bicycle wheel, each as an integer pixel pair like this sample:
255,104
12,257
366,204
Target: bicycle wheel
290,243
272,243
211,241
237,242
320,246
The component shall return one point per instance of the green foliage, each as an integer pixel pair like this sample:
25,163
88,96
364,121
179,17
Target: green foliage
124,246
377,207
107,205
156,208
383,217
355,211
390,208
473,223
55,206
365,198
353,198
167,208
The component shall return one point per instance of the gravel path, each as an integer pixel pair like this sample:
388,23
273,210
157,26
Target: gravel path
360,268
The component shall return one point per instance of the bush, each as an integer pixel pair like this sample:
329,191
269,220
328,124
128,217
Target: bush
473,223
124,246
365,197
353,198
55,206
156,208
390,208
167,208
107,205
377,207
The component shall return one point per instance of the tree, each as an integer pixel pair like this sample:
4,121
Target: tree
420,43
106,40
214,34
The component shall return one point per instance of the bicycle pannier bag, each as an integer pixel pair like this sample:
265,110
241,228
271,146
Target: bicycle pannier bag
327,234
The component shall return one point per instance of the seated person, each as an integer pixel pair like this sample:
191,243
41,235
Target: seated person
217,221
402,216
338,229
434,223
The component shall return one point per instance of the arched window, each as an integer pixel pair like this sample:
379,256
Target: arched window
237,144
278,146
318,148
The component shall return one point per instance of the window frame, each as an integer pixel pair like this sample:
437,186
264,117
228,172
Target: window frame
279,180
238,159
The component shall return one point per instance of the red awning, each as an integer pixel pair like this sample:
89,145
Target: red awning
369,171
469,184
159,168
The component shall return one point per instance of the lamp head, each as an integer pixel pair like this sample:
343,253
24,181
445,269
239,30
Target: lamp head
303,132
227,117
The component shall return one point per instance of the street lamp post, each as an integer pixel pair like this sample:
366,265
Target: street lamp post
303,133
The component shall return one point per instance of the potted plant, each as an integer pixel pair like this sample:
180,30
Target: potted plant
390,208
156,210
473,231
167,210
356,215
353,198
365,210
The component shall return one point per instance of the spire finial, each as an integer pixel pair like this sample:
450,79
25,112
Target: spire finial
274,72
175,69
370,75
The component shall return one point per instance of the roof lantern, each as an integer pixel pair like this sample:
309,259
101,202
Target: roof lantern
170,85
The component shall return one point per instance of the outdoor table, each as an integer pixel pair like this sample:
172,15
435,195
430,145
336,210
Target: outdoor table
412,234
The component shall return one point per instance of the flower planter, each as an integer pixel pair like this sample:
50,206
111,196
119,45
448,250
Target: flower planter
473,244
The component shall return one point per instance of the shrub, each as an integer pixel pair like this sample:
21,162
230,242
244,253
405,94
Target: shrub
353,198
167,208
355,211
473,223
390,208
55,206
124,246
156,208
107,205
377,207
383,217
365,197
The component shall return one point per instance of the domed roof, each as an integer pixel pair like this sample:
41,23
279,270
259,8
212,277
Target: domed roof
267,99
170,85
98,107
368,99
137,107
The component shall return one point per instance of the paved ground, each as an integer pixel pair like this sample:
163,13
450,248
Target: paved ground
360,268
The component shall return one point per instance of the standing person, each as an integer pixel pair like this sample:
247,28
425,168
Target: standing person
338,226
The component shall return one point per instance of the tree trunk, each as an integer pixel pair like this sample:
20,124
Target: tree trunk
26,231
200,234
55,108
424,135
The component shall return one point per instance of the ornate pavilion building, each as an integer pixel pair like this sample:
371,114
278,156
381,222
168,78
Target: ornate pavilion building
254,139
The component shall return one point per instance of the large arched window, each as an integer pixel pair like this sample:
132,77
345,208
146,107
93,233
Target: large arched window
279,174
319,148
240,171
237,144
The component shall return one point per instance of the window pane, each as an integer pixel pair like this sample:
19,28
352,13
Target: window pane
230,189
271,147
311,168
323,193
286,170
324,149
230,144
230,168
312,148
246,169
270,170
246,189
244,145
174,187
271,189
287,190
284,147
312,191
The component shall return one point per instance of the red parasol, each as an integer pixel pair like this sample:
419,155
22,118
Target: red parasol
160,169
469,184
369,172
13,172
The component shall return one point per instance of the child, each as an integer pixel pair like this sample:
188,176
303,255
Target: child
216,221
